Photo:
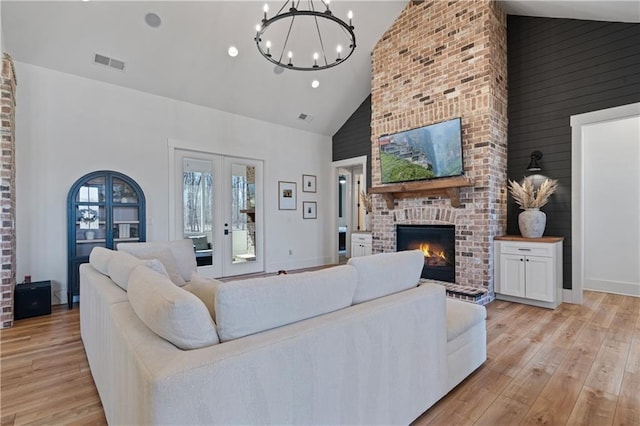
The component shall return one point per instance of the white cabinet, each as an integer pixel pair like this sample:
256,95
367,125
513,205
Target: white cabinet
361,244
529,270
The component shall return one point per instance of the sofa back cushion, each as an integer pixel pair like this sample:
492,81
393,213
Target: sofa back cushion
177,256
118,265
386,273
254,305
169,311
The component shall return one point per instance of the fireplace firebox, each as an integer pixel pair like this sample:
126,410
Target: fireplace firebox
437,242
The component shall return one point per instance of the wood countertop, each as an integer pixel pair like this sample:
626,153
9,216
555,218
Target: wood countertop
528,240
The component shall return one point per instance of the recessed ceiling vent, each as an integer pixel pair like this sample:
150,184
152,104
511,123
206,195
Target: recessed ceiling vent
305,117
108,62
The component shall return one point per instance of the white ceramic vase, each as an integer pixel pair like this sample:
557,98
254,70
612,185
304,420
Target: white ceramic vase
89,235
532,223
367,221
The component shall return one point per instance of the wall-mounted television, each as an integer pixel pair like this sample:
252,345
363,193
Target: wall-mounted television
428,152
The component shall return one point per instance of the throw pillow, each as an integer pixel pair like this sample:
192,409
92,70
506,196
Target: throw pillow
122,264
205,289
163,254
169,311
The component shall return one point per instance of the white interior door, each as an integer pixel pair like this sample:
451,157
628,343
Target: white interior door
218,204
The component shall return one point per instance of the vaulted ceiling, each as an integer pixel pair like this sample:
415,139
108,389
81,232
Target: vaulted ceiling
185,57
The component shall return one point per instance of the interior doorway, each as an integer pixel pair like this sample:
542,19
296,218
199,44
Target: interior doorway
605,201
350,181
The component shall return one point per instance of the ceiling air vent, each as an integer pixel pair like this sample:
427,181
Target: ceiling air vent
305,117
107,61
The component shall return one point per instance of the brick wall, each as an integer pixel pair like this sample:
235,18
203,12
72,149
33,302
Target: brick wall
438,61
7,190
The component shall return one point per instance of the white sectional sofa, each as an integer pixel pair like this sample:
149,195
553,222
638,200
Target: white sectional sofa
353,344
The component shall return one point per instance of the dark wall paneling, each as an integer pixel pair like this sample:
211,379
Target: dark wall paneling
559,68
354,137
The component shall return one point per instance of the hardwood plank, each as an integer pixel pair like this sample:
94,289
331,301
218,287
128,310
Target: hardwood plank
504,411
594,407
608,367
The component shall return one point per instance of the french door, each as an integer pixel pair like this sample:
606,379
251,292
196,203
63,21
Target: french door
218,204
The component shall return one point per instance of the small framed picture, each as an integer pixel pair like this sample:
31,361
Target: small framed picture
309,210
286,195
308,183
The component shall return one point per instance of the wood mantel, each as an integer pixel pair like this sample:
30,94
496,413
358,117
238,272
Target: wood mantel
448,187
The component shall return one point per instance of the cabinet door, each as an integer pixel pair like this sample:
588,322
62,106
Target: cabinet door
512,278
539,278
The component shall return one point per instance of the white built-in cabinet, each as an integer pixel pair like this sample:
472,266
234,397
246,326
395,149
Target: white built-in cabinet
361,244
529,270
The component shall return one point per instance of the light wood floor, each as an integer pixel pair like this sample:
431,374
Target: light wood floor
576,365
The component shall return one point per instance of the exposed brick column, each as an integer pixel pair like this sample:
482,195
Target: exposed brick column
441,60
7,189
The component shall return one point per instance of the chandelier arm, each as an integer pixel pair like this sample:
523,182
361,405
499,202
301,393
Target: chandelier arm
324,55
286,40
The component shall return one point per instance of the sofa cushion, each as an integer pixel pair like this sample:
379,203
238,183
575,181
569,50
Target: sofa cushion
160,252
205,289
254,305
200,242
462,316
99,258
386,273
122,264
184,258
169,311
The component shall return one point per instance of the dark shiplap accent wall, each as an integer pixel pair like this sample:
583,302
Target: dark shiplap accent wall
354,137
558,68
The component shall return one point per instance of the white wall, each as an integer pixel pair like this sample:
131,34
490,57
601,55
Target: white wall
67,126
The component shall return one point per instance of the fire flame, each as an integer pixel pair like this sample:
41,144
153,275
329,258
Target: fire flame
429,254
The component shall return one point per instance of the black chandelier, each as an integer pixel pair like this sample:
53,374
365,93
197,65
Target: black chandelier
295,39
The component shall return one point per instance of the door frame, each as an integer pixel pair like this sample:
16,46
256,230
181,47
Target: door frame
217,270
577,190
336,166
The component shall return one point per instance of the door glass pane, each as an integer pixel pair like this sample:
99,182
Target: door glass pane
243,205
197,207
92,191
90,228
126,224
123,192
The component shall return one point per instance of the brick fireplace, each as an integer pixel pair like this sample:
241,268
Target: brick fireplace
442,60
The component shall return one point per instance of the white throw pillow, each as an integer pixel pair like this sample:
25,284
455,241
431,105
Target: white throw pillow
156,251
254,305
205,289
169,311
182,251
386,273
122,264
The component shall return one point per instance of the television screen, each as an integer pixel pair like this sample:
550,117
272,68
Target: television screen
428,152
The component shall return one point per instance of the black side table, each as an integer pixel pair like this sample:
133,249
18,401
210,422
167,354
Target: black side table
32,299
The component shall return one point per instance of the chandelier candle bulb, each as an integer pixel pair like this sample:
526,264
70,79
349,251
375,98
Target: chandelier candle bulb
268,48
350,16
339,50
315,60
265,9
